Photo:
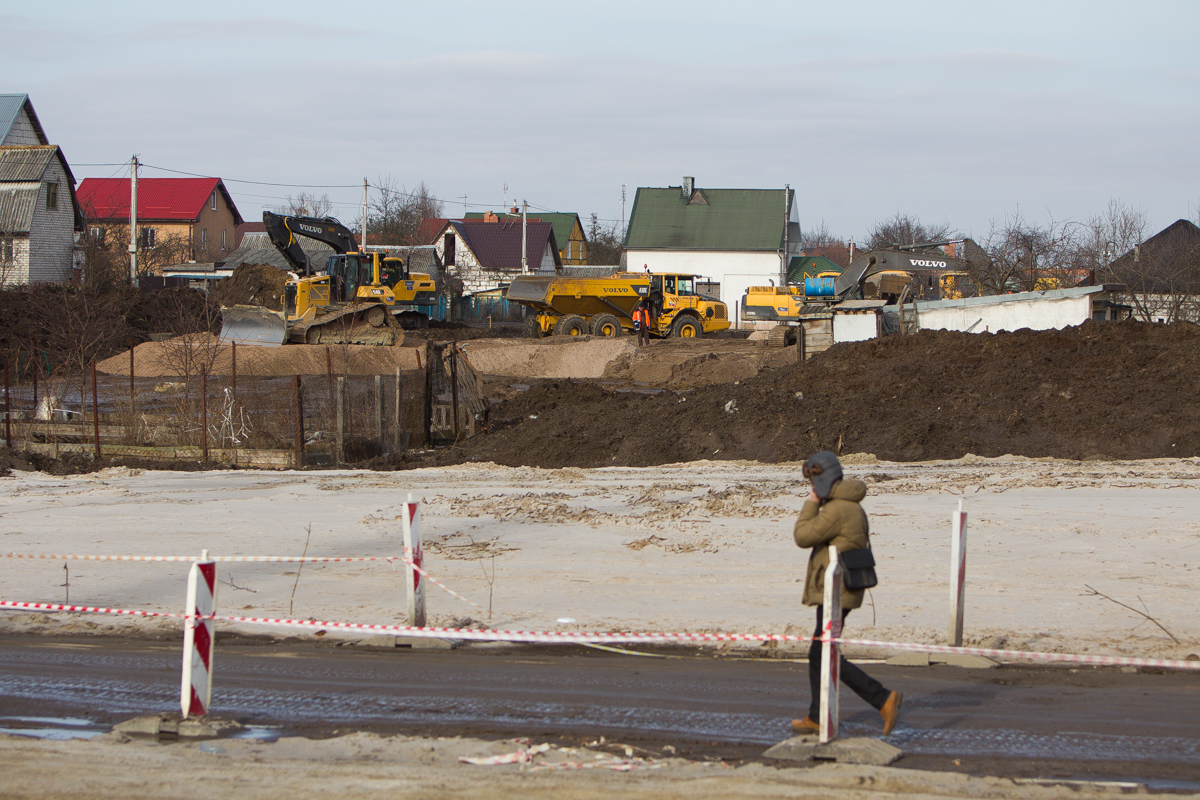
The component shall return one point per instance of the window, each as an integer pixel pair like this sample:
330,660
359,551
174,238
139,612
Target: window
147,238
97,235
212,201
448,250
51,195
204,238
222,238
6,250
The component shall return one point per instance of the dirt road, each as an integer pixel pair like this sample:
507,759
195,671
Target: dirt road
1016,722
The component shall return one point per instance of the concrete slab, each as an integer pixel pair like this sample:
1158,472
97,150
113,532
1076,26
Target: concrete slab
858,750
966,660
908,660
421,643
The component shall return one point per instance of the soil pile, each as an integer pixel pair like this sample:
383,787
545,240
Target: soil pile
251,285
1114,390
559,356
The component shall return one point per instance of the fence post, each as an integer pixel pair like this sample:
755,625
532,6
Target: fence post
195,691
454,388
958,573
7,410
340,449
830,650
802,345
131,388
329,371
399,411
233,366
95,412
413,556
298,427
426,425
379,411
203,415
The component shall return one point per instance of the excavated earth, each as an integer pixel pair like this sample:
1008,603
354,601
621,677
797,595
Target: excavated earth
1113,390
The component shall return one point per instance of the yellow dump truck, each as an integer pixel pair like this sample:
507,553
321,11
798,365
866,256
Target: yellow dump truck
604,306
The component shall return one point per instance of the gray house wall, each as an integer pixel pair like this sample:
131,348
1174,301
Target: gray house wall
22,131
52,234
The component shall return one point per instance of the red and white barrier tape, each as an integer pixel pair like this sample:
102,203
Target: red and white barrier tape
277,559
619,637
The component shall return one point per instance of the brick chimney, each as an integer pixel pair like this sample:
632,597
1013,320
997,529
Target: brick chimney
688,185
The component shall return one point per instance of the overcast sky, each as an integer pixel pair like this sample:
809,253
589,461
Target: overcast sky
937,109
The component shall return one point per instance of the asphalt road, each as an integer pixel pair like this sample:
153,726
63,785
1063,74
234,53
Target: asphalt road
1016,721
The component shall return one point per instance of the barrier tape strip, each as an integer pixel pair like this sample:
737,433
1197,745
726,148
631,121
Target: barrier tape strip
618,637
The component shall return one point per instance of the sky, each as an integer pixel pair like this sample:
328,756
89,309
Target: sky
952,112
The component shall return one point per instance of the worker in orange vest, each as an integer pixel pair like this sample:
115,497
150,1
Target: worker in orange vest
641,321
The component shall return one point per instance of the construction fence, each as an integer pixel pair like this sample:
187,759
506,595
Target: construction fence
273,421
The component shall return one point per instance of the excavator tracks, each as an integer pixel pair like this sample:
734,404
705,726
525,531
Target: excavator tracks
373,325
783,336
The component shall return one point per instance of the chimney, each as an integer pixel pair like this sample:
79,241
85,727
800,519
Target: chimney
688,185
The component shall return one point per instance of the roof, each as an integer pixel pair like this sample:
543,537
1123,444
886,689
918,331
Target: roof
497,245
801,267
27,164
10,109
589,272
256,248
16,208
243,228
563,222
1018,297
429,229
710,219
164,199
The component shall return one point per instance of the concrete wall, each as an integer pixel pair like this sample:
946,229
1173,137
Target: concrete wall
1036,313
17,272
855,327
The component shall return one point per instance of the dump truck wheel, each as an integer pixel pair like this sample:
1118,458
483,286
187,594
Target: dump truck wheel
571,325
687,328
533,328
606,325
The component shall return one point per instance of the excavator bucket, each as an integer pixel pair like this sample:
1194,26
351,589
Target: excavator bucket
253,325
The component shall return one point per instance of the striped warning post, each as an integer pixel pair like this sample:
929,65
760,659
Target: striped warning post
831,649
195,689
413,557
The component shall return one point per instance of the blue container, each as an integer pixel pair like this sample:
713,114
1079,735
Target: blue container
818,287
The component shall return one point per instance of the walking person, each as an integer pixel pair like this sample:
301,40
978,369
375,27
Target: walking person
832,516
641,318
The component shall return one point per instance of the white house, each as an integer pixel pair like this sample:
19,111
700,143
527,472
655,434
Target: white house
735,237
39,215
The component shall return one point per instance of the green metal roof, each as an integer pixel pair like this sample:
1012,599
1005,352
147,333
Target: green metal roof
713,219
801,267
561,222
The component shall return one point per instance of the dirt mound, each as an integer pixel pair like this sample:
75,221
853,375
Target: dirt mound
559,356
251,285
1113,390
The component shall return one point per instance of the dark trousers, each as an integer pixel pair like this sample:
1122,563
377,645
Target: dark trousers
863,684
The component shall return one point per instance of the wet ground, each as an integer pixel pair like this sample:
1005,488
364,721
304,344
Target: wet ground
1086,723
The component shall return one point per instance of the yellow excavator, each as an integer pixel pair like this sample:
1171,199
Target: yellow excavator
359,298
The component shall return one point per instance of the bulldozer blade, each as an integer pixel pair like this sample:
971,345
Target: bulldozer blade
253,325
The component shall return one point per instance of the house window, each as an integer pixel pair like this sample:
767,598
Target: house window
448,250
204,238
212,201
222,238
148,238
97,235
51,195
6,250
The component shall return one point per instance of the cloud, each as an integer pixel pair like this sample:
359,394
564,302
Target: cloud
246,27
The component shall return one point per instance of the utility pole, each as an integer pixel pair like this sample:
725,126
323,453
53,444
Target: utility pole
787,224
364,225
524,236
133,246
622,211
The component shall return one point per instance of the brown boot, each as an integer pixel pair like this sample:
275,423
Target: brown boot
805,726
891,712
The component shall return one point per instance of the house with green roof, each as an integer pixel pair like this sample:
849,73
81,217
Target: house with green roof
568,231
737,238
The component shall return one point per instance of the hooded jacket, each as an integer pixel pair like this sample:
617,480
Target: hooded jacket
839,521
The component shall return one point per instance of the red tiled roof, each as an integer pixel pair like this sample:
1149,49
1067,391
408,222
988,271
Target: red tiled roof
158,198
428,229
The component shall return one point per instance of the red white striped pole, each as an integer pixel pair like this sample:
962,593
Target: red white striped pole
830,649
196,685
413,557
958,573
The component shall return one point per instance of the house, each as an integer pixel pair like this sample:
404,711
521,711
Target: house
568,231
19,124
39,215
735,237
485,255
1163,274
190,219
801,267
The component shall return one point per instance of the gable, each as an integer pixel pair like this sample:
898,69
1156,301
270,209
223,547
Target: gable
24,167
175,199
709,219
18,121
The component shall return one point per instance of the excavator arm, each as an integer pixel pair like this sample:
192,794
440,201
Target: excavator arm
283,230
849,283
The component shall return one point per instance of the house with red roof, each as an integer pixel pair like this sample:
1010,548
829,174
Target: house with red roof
195,218
486,254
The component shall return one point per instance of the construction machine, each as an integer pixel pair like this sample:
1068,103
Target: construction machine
604,306
887,275
359,298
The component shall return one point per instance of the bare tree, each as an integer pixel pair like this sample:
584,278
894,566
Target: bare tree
1161,273
819,236
396,213
306,205
906,230
1019,255
605,243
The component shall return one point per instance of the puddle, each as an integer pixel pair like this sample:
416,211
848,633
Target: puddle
51,728
262,733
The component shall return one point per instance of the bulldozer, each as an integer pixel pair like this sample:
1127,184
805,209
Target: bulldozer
360,297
